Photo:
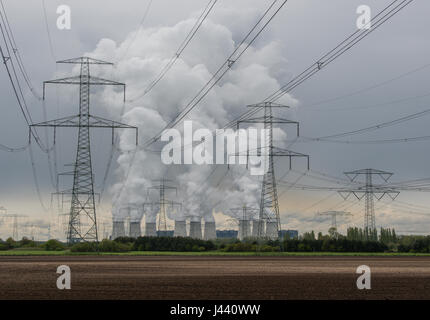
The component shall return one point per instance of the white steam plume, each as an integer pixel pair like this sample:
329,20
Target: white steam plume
251,79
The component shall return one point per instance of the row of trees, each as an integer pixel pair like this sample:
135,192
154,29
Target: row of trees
171,244
354,241
10,243
414,244
103,246
333,245
357,234
25,243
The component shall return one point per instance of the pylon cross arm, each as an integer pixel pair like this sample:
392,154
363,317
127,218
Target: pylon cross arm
73,121
360,193
93,122
91,80
78,80
271,120
82,60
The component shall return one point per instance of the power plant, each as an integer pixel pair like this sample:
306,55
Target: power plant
192,215
214,159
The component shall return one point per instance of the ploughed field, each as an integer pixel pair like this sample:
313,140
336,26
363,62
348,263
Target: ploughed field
184,277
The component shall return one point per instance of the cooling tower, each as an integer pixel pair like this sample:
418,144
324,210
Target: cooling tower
118,229
255,224
210,230
244,229
180,229
196,229
272,230
134,229
150,229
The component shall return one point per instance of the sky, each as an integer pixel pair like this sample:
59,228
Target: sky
332,101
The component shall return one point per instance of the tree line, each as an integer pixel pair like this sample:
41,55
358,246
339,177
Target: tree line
355,240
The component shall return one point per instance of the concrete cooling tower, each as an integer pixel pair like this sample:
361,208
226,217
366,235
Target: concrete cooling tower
244,229
118,229
180,229
272,230
196,229
255,225
210,230
151,221
134,229
135,213
150,229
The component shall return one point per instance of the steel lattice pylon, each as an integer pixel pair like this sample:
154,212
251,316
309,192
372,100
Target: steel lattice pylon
269,206
334,215
83,196
162,187
369,212
369,191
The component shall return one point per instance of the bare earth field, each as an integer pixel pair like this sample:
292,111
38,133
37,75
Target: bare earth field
175,277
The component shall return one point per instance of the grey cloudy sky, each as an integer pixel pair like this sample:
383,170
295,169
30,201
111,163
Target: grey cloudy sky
304,30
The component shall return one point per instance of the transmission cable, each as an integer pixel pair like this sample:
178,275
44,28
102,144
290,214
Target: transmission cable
223,69
383,16
179,51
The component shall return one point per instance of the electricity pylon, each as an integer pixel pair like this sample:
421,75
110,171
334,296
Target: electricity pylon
269,206
369,191
83,202
15,225
334,215
163,202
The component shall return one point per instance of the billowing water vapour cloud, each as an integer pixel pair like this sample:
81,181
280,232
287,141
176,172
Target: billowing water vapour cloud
139,59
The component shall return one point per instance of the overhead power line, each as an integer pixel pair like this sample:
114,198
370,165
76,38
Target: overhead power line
179,51
16,52
372,87
11,71
383,16
372,106
48,32
381,141
142,21
246,42
372,128
13,149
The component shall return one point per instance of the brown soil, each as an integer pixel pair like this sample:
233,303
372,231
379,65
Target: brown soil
174,277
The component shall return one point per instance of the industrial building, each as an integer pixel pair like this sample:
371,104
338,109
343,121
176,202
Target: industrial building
165,233
226,234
